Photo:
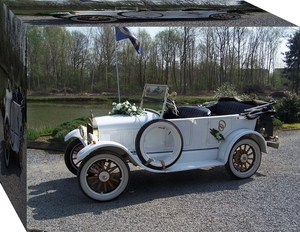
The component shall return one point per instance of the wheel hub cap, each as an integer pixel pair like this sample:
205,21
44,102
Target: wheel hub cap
104,176
244,158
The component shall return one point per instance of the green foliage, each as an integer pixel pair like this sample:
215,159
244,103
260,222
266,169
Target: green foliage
288,108
32,134
254,88
277,123
85,62
226,90
292,60
68,126
291,126
60,136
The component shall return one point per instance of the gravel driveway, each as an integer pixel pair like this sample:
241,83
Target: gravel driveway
200,200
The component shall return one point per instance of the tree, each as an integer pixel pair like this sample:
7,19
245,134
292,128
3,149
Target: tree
292,60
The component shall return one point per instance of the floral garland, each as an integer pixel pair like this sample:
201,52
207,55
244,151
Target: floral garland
126,108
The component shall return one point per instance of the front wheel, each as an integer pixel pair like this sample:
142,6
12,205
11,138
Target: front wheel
70,156
244,159
103,176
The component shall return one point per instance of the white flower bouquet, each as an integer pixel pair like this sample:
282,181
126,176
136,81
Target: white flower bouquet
125,108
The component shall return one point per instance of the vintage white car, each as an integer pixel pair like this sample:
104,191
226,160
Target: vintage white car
105,16
227,132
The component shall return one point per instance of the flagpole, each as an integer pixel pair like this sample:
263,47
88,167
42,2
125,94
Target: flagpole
117,70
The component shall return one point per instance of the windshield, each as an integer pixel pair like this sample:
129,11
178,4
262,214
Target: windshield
154,96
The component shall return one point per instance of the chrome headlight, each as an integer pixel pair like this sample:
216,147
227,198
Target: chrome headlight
82,131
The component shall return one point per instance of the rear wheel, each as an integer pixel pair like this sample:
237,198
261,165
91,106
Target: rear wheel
103,176
70,156
93,18
244,159
159,144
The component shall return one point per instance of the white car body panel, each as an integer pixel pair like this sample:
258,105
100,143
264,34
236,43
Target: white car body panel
122,129
200,149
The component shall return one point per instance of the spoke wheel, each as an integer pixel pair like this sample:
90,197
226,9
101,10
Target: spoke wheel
93,18
244,159
70,156
7,144
103,176
159,144
225,16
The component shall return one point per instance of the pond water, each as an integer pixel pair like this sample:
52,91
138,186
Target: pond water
42,115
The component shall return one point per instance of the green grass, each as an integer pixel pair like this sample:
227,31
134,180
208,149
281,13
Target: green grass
57,133
291,126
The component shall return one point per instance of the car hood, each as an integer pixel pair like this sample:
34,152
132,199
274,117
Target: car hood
121,122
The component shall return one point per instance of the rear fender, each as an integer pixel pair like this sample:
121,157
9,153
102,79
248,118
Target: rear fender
231,139
76,134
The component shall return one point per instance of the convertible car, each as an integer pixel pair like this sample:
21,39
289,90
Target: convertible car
227,132
98,16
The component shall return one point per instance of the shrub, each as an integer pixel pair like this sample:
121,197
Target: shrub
288,108
70,125
226,90
253,88
32,134
60,136
277,123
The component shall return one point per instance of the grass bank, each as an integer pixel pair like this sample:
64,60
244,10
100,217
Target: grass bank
109,99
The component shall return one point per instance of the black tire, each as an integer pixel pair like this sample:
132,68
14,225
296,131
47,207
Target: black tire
244,159
103,176
7,144
93,18
155,127
225,16
71,155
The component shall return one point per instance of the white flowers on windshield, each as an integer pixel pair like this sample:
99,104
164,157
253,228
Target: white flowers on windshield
125,108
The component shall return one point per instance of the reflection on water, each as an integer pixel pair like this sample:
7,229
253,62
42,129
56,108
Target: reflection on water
41,115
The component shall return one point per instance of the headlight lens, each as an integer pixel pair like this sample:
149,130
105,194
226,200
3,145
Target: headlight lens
83,131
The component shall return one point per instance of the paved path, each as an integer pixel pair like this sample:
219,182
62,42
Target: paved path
200,200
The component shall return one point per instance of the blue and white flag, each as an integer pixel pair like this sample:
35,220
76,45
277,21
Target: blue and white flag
124,33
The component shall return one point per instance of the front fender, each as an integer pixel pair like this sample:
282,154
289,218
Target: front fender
232,138
109,145
75,134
